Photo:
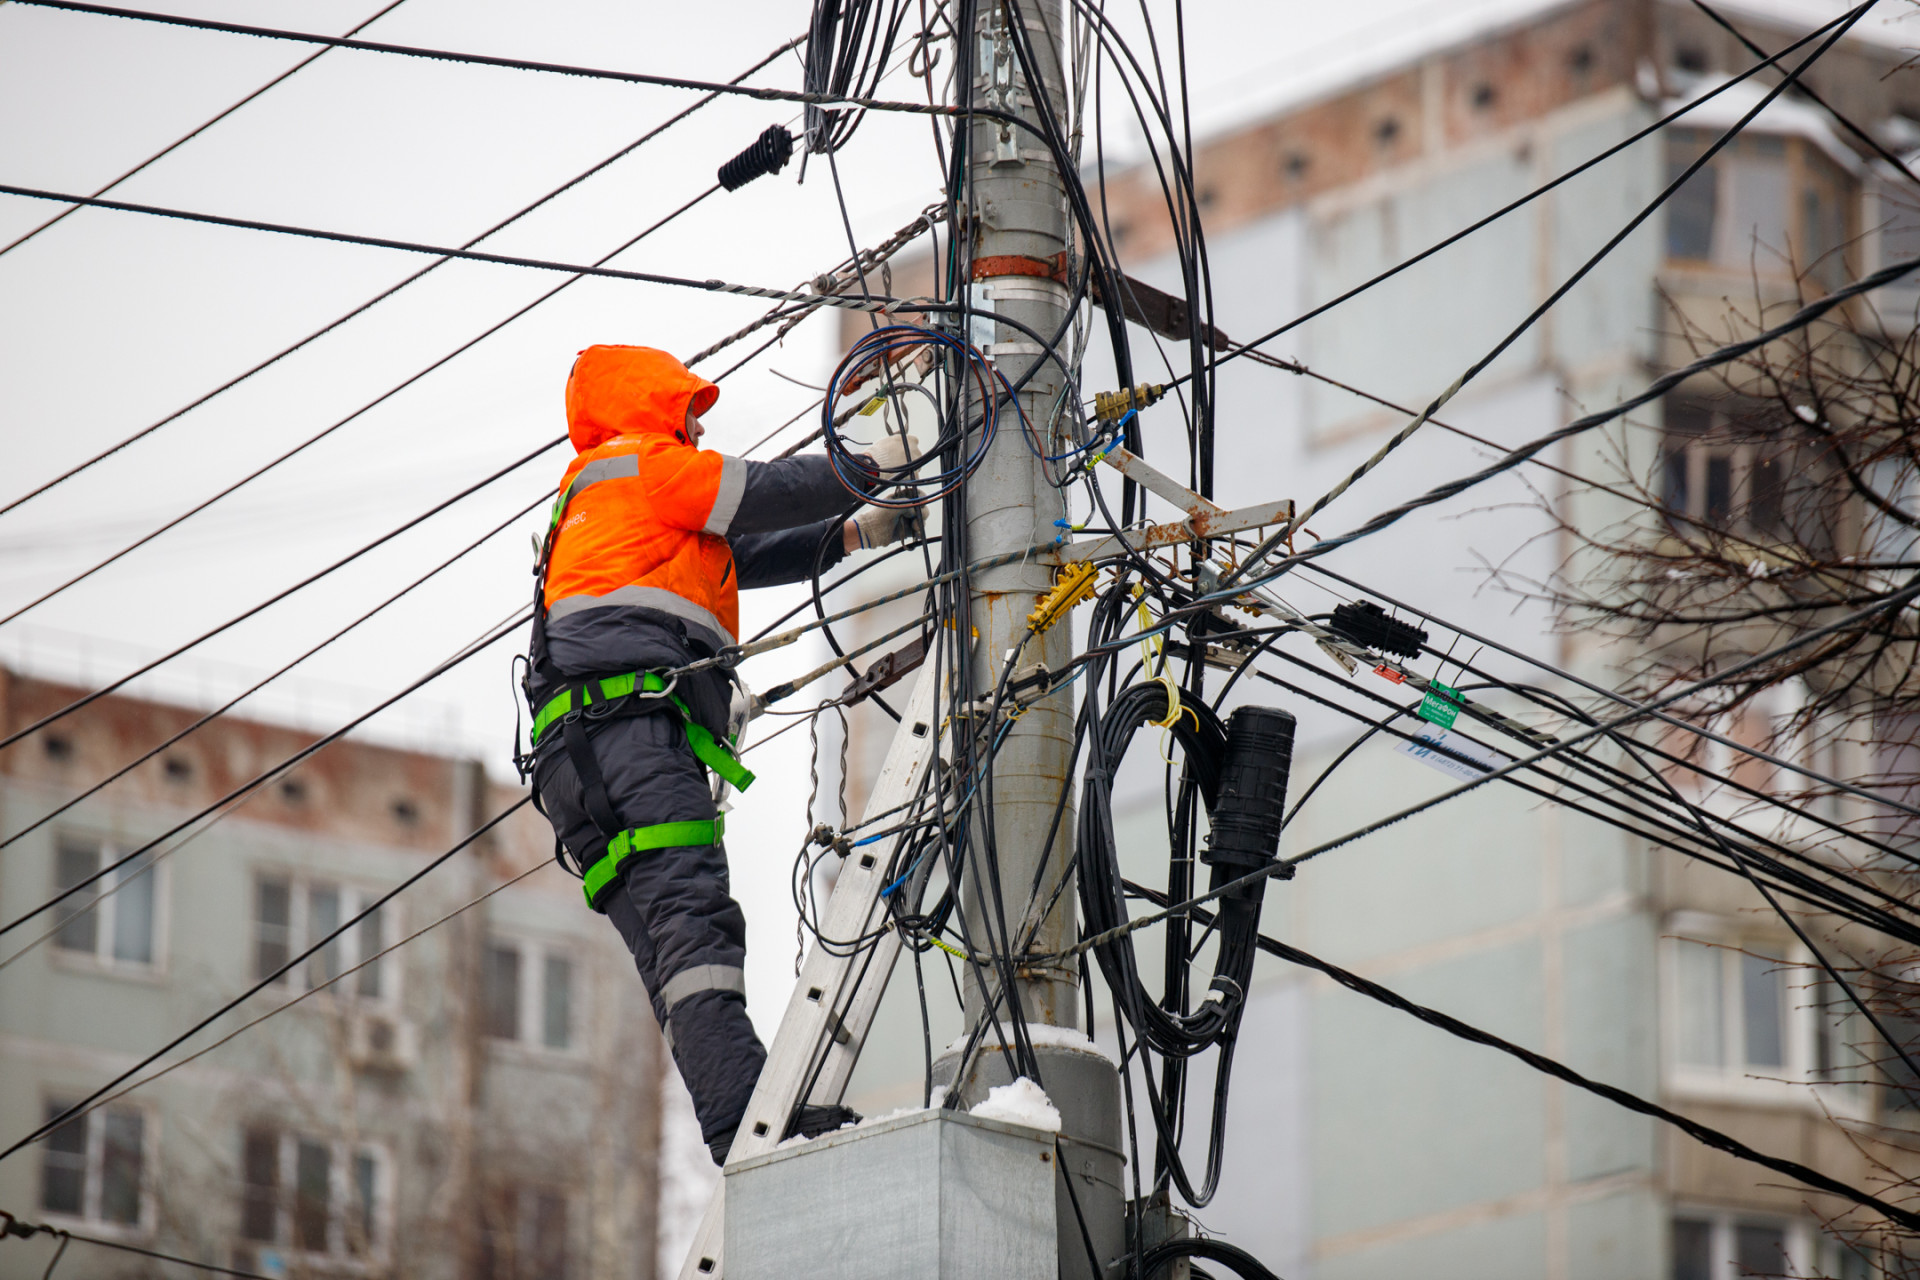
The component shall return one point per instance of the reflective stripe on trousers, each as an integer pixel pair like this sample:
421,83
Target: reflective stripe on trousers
691,982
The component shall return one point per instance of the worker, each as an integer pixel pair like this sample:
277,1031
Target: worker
652,538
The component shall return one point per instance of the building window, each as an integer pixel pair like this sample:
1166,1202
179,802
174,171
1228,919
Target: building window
1728,1246
1741,209
291,914
93,1166
523,1234
310,1194
113,919
1752,1019
1730,465
528,994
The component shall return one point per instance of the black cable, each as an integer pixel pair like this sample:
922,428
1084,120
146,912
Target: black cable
484,60
1243,1263
1566,286
203,126
254,688
1248,348
849,301
1654,390
1674,722
278,596
1874,144
258,780
1539,1062
384,294
25,1230
322,434
80,1107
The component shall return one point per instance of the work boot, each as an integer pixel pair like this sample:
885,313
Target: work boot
814,1119
810,1121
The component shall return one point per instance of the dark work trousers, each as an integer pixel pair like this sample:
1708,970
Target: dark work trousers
672,906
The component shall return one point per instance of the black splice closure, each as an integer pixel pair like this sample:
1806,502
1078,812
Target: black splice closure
1253,789
1367,625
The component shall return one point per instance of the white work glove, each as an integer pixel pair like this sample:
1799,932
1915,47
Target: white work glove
892,453
883,526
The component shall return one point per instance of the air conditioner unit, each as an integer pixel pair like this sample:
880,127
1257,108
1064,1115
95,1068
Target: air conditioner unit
383,1042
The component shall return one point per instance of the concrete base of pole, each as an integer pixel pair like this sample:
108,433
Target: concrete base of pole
930,1195
1085,1087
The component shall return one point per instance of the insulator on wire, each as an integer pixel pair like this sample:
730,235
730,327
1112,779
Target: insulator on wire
768,154
1367,625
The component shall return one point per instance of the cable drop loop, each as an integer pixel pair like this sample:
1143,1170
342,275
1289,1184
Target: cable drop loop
768,154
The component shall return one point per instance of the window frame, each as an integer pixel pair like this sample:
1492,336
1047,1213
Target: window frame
93,1176
530,1032
342,1200
354,898
1796,1081
103,905
1809,1250
1806,169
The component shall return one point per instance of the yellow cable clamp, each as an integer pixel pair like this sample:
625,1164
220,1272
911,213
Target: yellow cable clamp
1111,406
1074,586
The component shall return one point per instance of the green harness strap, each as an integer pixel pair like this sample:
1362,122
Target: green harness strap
710,751
635,840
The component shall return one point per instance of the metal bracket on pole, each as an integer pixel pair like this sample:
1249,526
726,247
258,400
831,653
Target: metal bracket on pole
834,1002
1205,519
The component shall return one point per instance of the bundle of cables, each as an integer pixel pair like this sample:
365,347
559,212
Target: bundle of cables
876,356
1239,772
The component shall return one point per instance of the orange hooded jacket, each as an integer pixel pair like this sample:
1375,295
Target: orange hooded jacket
642,513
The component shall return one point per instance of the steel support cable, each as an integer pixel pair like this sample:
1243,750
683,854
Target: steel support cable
1540,1062
55,1122
1876,915
1400,437
202,127
1671,721
279,1009
259,780
514,64
1786,917
20,1228
1813,96
324,432
1600,729
1560,707
329,327
1249,348
260,684
882,305
278,596
1665,824
1821,571
1513,458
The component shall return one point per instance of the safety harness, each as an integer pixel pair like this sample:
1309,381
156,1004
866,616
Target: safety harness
598,698
627,694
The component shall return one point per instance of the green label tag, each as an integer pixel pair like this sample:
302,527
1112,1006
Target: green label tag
1439,705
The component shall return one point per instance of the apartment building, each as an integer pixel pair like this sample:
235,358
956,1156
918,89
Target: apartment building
1362,1143
463,1083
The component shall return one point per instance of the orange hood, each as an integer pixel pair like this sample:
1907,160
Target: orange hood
631,391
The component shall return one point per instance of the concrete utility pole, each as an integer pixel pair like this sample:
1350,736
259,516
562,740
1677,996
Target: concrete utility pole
1016,214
